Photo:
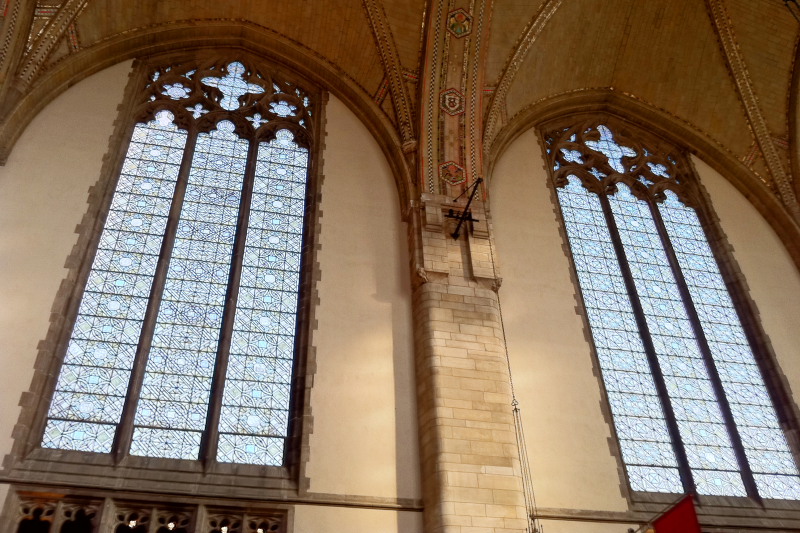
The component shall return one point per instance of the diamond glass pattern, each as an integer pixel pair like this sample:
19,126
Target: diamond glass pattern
91,388
255,405
173,404
635,404
765,445
700,423
178,351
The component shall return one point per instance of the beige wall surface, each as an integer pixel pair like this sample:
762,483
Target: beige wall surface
363,401
772,278
551,363
318,519
43,194
564,526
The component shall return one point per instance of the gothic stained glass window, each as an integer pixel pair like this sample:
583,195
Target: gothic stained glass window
691,409
184,341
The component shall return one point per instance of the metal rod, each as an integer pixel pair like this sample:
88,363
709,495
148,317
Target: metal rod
465,213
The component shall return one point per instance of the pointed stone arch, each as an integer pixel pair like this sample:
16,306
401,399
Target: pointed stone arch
673,129
185,36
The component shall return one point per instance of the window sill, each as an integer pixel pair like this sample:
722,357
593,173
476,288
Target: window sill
147,474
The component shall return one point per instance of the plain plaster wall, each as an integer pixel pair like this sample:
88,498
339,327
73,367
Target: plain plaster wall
318,519
363,401
771,276
364,438
43,193
552,365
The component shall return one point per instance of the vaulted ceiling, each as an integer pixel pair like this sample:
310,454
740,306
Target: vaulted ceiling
722,68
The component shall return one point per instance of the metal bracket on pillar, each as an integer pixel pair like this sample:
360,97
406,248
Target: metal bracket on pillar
466,214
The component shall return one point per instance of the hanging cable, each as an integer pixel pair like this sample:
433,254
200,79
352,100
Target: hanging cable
534,525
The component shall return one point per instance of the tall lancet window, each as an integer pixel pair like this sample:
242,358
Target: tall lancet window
184,340
691,409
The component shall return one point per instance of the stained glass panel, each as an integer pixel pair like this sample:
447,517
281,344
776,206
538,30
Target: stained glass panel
173,403
177,275
91,388
255,407
233,86
765,445
635,404
686,335
700,422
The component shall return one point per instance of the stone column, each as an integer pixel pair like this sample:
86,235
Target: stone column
470,461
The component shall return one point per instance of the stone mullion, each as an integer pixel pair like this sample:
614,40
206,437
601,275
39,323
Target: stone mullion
124,433
210,441
660,384
469,454
708,358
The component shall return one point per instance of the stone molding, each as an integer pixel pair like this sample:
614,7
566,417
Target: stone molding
29,463
677,131
387,49
722,512
744,88
495,117
183,37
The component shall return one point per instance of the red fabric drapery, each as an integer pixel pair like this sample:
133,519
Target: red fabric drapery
682,518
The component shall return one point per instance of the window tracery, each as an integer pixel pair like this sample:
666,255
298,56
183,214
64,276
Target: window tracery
691,409
184,341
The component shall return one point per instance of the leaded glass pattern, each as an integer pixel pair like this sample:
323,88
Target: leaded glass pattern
700,422
255,406
91,388
628,227
635,404
173,402
184,342
764,443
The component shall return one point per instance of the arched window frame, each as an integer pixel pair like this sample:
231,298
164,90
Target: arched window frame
571,133
33,465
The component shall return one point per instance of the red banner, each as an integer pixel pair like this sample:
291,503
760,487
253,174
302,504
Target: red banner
682,518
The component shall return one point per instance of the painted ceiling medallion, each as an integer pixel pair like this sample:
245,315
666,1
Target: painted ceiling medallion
451,102
459,23
452,173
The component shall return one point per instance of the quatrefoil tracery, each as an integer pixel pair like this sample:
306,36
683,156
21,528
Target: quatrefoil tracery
602,152
258,102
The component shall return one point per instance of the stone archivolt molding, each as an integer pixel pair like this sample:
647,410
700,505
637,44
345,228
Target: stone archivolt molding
675,130
189,91
744,87
524,43
387,49
216,34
